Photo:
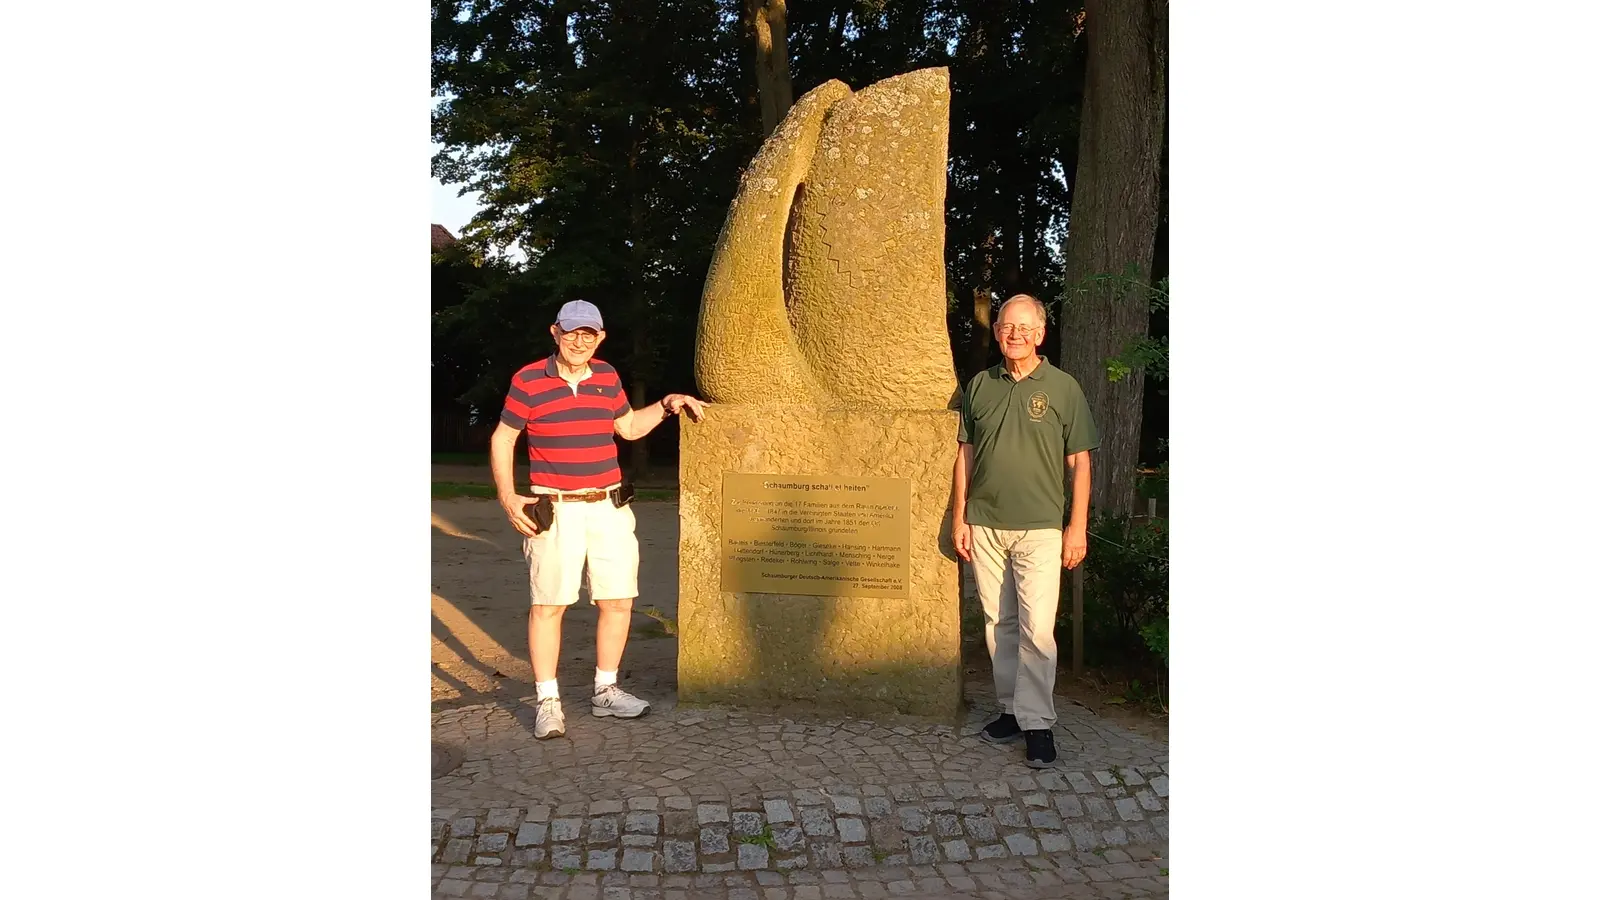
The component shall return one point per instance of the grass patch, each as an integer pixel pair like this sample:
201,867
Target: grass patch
461,459
667,624
445,490
764,839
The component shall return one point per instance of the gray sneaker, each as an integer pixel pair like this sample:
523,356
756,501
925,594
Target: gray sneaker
549,721
614,701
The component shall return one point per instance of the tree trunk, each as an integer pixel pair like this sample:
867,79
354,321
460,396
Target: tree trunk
770,21
638,307
1112,226
982,311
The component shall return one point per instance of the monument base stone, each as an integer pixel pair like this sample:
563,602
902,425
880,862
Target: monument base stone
852,655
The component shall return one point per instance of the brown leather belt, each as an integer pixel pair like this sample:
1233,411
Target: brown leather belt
583,497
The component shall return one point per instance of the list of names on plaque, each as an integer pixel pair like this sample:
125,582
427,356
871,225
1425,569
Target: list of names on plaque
825,536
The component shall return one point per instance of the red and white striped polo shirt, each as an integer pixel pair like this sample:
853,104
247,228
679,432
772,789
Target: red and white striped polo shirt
569,428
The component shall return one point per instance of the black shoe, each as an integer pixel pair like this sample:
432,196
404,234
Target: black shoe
1003,730
1041,748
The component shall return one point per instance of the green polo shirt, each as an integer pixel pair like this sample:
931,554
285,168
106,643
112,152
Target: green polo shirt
1021,433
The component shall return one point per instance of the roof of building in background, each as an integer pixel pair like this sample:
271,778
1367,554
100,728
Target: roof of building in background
442,237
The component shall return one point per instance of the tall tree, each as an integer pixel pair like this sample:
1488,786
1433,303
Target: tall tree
1112,229
769,20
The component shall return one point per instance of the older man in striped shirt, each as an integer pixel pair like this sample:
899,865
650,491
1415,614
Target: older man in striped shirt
569,405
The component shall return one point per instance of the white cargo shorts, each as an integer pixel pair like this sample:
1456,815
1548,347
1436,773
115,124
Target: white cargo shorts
589,544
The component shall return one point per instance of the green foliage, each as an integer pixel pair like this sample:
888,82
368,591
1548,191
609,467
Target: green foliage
1124,594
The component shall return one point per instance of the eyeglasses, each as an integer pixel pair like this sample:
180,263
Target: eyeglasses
1025,331
585,338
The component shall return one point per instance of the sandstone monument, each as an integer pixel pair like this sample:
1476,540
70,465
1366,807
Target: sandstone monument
815,564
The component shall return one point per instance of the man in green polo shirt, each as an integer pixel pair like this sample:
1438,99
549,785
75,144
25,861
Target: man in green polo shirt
1024,426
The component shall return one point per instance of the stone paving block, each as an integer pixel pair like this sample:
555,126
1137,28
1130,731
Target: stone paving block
680,822
452,887
809,797
643,823
956,851
930,789
1099,809
827,855
1081,783
752,856
601,860
1069,806
994,790
678,856
457,850
924,849
946,825
961,790
1044,819
788,838
463,827
539,812
603,830
1106,779
878,807
1114,837
857,856
635,859
838,892
778,810
565,829
512,892
980,827
638,840
847,806
713,839
1055,842
1128,810
566,856
1038,798
1022,845
1147,799
712,812
992,851
679,802
1009,815
1084,837
604,807
1159,785
913,819
1130,775
852,830
533,856
904,793
492,843
716,867
817,822
793,863
644,804
502,819
531,833
747,823
1141,833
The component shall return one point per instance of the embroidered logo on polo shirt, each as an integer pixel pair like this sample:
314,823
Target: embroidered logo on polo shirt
1037,404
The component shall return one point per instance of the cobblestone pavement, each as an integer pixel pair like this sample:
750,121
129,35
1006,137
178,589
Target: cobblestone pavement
690,803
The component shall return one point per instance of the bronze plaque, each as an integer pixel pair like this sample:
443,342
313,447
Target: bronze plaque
821,535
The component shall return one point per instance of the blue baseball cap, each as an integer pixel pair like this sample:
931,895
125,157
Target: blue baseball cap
577,314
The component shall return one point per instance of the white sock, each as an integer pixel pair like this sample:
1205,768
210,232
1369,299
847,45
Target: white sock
602,678
547,689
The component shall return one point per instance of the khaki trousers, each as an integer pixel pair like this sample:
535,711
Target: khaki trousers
1019,584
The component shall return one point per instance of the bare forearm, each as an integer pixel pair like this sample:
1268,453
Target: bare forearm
502,444
1078,469
644,421
959,480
